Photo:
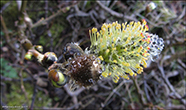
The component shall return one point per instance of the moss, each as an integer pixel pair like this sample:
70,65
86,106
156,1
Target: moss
17,98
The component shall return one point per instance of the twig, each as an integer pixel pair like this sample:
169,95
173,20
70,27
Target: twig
104,86
175,56
151,91
139,91
44,21
113,13
130,97
75,93
89,102
113,91
22,85
170,85
146,91
34,96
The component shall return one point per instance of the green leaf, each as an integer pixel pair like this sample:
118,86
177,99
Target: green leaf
7,70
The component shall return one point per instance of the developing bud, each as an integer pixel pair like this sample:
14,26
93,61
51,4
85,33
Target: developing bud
49,58
57,78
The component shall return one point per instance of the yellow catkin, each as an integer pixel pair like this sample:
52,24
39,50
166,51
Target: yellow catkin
105,74
117,44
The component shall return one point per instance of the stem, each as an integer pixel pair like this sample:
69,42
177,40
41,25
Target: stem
140,94
23,6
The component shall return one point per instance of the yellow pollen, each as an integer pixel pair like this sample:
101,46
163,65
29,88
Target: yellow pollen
101,58
114,68
118,26
114,61
113,24
125,76
119,73
114,39
127,41
125,64
94,30
131,23
102,46
104,74
101,40
125,49
145,51
103,30
112,44
98,34
144,22
107,51
137,66
131,73
137,55
113,49
105,37
134,43
129,38
146,28
109,26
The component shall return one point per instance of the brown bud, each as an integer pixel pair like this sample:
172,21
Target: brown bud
57,78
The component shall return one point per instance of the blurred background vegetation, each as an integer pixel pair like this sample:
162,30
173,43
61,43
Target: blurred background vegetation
55,23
